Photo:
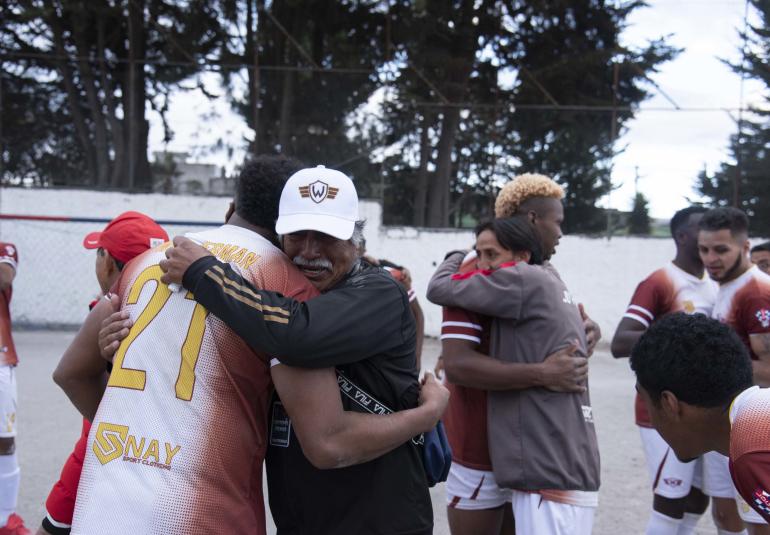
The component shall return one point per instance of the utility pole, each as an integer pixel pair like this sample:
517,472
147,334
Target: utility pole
613,135
636,180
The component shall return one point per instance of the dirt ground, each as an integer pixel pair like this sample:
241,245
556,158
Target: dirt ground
49,426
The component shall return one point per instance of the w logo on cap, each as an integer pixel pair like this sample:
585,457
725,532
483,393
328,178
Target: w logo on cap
318,191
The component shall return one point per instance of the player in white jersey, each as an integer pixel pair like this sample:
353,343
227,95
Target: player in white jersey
743,303
681,286
179,437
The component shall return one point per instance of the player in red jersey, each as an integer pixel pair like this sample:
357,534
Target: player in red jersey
682,285
9,465
124,238
743,303
694,374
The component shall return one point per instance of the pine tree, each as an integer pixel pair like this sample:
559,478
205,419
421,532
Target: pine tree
101,65
561,56
744,180
639,219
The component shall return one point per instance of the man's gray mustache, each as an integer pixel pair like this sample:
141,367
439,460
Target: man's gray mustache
315,263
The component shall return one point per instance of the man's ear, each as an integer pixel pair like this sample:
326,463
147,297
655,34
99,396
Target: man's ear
532,216
230,211
670,405
112,266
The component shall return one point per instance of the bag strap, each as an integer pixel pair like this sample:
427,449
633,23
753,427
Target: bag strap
367,402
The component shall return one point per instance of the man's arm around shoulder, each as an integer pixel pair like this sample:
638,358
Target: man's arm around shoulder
332,437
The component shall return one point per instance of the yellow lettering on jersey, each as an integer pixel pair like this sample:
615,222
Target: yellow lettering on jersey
152,451
213,248
238,256
112,441
170,453
227,252
249,261
185,381
133,447
127,377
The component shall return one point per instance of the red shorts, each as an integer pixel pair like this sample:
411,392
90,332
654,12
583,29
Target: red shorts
60,504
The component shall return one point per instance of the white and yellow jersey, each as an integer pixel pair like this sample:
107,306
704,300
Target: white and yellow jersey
178,442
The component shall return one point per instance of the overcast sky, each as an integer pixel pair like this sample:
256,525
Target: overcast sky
669,148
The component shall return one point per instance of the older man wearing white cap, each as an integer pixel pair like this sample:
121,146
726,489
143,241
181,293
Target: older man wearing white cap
361,324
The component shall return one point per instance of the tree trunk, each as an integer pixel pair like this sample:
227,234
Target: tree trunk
421,190
101,143
287,103
138,166
73,94
116,127
460,59
438,205
253,14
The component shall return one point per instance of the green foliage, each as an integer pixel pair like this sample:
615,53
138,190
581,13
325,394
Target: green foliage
745,178
79,66
639,218
431,105
528,58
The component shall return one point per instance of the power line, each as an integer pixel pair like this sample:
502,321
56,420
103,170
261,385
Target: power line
604,108
171,63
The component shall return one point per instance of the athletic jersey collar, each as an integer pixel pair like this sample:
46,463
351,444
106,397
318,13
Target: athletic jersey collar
690,276
741,280
740,400
246,233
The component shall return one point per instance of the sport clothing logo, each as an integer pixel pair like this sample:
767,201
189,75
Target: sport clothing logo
763,315
109,441
689,307
318,191
762,501
113,441
10,250
673,482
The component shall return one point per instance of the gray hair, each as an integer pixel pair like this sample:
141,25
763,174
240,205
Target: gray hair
358,233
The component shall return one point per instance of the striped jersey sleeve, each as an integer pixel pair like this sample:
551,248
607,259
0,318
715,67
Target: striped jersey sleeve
652,298
460,324
750,449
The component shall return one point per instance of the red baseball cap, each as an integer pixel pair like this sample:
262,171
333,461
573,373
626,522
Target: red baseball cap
127,236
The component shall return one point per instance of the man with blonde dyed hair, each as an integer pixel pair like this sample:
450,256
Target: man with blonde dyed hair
540,198
522,189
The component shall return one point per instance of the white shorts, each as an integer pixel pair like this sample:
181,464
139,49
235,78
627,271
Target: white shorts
473,490
670,477
533,514
717,481
7,401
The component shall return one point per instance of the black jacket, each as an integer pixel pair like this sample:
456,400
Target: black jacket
363,326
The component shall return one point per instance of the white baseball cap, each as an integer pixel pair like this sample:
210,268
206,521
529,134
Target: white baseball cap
318,199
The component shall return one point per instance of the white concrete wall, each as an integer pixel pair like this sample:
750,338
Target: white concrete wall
56,277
